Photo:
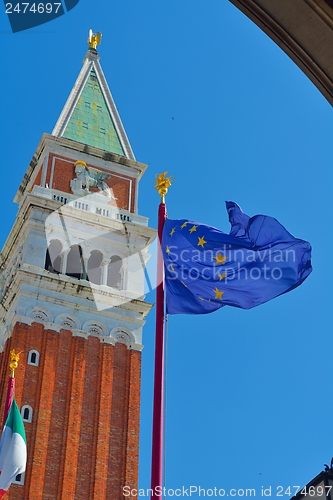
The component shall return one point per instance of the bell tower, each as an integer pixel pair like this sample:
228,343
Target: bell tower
72,299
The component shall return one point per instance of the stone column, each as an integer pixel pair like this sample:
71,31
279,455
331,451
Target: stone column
105,266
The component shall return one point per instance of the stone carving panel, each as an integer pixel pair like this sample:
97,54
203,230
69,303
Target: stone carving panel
123,336
68,322
40,314
95,328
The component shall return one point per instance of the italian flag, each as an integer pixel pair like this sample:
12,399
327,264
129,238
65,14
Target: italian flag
13,449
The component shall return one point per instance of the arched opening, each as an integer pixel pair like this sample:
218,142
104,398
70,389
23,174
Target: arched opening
19,478
53,257
114,272
26,413
33,358
75,262
95,267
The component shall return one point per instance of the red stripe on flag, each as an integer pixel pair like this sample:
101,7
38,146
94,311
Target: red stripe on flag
9,399
2,493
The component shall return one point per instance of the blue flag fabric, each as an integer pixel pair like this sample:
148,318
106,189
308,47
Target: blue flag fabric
206,269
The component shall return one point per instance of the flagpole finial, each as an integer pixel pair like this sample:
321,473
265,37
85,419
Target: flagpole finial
14,358
162,185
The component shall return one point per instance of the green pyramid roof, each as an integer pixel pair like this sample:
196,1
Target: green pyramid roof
90,115
91,122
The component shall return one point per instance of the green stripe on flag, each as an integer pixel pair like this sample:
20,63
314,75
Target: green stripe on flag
14,421
13,448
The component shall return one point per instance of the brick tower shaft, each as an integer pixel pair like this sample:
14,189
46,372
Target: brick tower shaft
72,299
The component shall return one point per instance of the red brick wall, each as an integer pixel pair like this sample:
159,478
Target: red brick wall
84,434
64,172
38,178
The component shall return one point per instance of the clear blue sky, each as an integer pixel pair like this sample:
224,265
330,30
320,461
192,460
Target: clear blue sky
204,94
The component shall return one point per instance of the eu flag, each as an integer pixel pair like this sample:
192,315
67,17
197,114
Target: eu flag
206,269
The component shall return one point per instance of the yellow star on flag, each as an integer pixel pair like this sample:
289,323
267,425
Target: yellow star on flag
172,231
183,225
167,249
221,276
220,259
201,241
218,293
171,267
193,228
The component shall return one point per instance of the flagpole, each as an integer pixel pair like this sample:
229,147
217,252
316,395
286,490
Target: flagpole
162,185
11,384
13,442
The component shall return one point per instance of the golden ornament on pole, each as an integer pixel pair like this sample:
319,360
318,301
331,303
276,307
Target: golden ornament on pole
14,359
162,185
